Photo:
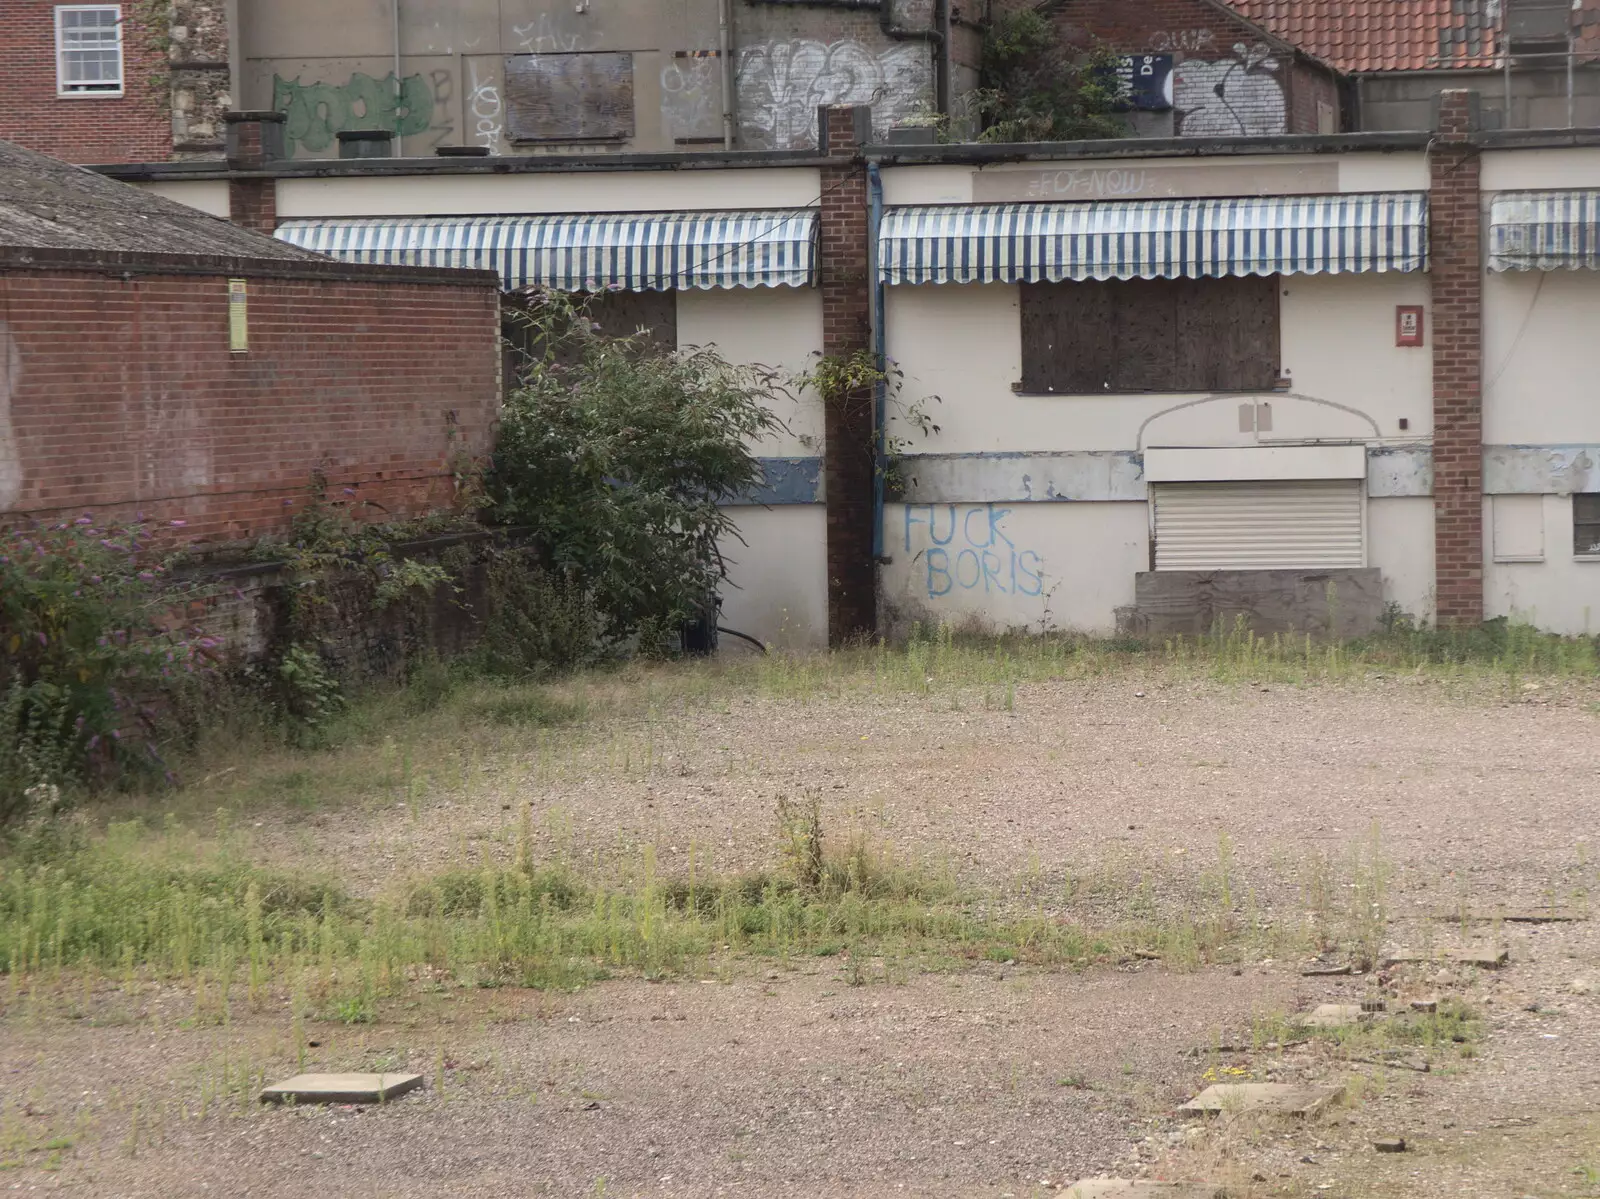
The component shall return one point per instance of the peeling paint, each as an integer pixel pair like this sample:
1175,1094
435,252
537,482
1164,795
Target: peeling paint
1023,478
1399,470
785,481
1540,469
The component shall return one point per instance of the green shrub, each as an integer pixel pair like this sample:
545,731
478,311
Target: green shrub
618,460
91,655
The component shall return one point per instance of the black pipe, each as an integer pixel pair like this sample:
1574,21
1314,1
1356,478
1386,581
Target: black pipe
722,628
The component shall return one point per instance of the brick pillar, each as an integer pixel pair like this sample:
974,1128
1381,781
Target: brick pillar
846,329
1456,273
255,140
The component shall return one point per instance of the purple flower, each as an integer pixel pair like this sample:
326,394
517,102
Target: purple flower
83,520
349,490
177,524
146,575
43,640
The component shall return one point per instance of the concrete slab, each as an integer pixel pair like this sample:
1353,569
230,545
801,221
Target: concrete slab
1281,1098
1483,955
1123,1188
1334,1015
341,1088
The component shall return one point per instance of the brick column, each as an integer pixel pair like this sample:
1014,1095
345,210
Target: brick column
1456,274
846,329
255,139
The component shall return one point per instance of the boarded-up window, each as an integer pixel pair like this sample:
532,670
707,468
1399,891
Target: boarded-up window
1586,524
1150,335
569,97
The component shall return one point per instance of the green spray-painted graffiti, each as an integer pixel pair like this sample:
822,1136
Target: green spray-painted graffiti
315,112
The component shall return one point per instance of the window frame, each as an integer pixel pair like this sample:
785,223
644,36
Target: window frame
1584,555
83,90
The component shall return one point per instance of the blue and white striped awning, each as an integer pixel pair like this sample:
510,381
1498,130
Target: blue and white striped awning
649,251
1155,239
1544,231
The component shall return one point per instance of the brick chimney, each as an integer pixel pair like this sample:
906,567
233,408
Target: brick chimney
255,141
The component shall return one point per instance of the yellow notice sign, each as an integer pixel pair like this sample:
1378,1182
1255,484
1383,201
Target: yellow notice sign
238,317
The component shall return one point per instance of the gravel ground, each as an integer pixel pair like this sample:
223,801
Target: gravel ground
791,1082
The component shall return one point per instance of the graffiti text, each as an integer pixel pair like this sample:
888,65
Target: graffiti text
967,549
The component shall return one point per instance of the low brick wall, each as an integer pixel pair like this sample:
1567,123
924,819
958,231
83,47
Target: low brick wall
119,393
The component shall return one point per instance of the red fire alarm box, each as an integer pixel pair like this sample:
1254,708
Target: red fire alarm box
1408,325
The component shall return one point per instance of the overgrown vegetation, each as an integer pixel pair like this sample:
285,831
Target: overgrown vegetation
1033,88
93,654
617,460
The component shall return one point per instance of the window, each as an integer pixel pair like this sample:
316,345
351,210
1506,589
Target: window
88,50
1129,335
1586,524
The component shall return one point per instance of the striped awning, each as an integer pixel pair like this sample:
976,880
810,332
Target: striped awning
1155,239
651,251
1544,231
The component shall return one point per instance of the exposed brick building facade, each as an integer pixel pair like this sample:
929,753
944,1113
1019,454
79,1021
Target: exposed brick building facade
135,126
1231,78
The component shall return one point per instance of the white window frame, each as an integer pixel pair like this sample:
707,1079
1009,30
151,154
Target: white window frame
82,91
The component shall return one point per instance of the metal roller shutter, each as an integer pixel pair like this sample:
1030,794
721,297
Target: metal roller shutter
1292,525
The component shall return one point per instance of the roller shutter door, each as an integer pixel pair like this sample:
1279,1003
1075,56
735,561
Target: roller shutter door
1296,525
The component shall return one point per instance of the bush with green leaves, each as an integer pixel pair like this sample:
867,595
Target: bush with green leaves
89,647
618,458
1033,88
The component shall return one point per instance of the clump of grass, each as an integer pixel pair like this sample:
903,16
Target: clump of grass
528,707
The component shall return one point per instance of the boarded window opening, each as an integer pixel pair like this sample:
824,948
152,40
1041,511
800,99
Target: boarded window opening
1132,335
569,97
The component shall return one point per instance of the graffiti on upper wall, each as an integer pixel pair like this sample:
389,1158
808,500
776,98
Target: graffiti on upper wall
10,453
691,96
782,83
315,113
965,547
1192,40
485,110
1228,97
550,33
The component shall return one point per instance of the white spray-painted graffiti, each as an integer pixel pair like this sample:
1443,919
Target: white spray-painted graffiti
10,455
964,547
1192,40
781,84
484,108
691,97
1227,97
549,34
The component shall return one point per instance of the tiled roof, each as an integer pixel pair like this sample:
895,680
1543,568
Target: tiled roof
48,205
1398,35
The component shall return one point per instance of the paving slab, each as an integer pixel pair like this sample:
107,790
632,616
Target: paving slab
1334,1015
1123,1188
1282,1098
1485,956
341,1088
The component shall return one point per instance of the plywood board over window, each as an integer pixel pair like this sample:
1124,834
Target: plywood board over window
1132,335
569,97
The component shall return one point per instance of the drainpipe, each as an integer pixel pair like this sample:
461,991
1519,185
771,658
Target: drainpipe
880,359
725,57
399,87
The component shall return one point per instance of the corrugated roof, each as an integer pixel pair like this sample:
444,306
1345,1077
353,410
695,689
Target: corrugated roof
46,204
1360,36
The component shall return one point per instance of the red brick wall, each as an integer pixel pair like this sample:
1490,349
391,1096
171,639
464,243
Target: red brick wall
1454,222
1264,90
133,127
126,398
848,461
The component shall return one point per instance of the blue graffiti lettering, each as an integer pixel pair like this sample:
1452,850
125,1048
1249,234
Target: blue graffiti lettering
989,560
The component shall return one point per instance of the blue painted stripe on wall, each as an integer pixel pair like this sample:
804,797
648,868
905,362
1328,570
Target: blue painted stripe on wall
1081,476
